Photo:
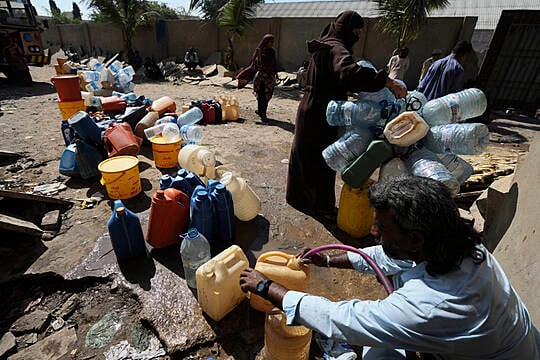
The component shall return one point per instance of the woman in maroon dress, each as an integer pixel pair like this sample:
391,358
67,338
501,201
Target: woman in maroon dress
263,70
332,72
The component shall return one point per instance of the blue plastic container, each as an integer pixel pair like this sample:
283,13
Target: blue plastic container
86,128
182,184
194,180
126,234
165,182
202,213
88,159
224,221
67,132
68,165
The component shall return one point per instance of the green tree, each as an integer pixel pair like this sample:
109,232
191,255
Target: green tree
404,19
57,17
76,12
127,14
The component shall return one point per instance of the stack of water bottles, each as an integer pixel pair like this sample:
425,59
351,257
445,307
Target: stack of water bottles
426,136
123,76
95,76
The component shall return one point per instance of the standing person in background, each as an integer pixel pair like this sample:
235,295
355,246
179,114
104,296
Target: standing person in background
263,70
435,55
191,59
446,76
398,64
332,72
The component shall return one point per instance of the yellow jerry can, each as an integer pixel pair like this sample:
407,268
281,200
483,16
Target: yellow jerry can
355,215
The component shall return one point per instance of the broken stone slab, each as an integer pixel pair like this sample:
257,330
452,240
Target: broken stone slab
11,223
50,348
51,220
172,310
67,307
50,189
7,344
499,210
36,321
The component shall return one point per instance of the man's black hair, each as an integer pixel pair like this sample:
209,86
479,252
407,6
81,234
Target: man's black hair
426,206
462,47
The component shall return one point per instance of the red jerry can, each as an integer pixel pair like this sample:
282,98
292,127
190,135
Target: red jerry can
169,217
209,113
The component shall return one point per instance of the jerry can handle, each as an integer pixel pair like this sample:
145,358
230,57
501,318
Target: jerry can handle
280,254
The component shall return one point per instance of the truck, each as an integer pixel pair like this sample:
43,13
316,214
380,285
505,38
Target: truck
20,37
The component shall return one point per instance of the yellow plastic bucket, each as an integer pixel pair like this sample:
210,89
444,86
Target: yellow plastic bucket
120,175
68,108
165,153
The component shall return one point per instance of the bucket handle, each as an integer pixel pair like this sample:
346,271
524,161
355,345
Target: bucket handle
102,181
280,254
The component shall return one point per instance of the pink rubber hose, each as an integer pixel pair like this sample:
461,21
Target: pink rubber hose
383,279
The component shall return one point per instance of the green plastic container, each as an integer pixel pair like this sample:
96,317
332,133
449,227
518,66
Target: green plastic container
359,171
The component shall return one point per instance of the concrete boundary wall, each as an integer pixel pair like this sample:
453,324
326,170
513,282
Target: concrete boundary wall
171,38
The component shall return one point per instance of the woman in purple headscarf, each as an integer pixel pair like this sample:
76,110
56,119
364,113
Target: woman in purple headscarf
263,70
332,72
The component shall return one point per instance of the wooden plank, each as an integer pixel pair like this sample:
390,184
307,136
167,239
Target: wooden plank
41,198
18,225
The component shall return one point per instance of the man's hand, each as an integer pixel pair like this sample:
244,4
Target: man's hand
396,88
249,278
315,259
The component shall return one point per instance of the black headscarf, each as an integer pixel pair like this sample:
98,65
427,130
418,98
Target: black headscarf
341,29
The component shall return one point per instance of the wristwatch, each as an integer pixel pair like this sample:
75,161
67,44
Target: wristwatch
263,286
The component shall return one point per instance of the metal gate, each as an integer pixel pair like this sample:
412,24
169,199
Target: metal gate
510,73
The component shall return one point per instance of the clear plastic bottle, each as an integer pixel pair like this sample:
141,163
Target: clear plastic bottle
192,134
115,66
346,113
190,117
170,132
93,86
414,101
460,168
455,107
425,163
347,148
195,251
166,119
153,130
92,76
464,139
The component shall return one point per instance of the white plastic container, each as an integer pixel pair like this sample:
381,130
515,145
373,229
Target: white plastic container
197,159
218,282
247,204
406,129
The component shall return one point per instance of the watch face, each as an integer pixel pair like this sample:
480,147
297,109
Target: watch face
261,285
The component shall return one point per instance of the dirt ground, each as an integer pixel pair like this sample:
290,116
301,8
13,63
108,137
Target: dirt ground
258,152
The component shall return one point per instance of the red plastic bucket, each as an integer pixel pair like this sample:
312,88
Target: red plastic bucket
68,87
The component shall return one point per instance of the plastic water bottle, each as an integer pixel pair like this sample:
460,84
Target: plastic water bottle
425,163
460,168
195,251
92,76
127,71
347,148
414,101
202,213
170,132
455,107
192,134
464,139
126,233
190,117
346,113
377,96
93,86
166,119
153,130
115,66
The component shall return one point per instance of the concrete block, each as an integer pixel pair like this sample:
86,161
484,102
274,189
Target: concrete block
51,220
